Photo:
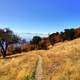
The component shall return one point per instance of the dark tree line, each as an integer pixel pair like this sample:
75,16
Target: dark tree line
68,34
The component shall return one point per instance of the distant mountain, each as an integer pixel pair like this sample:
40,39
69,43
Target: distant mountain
29,36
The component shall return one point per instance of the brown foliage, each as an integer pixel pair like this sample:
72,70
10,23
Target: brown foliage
58,38
27,47
44,43
55,38
77,32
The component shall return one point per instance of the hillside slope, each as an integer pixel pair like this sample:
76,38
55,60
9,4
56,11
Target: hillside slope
61,62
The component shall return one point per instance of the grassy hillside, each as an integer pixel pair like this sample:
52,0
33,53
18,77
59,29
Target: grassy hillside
61,62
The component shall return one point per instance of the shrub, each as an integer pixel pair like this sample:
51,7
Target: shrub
44,43
51,38
35,41
17,50
69,34
55,38
77,33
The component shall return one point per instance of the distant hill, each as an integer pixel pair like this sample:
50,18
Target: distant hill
29,36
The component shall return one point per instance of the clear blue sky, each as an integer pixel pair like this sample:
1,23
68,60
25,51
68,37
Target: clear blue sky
42,16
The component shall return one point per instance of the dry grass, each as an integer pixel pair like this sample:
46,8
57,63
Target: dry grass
62,62
17,68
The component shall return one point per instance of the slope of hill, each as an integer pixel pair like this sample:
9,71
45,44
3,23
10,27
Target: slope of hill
61,62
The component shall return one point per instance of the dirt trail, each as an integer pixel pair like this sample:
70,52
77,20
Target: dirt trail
39,70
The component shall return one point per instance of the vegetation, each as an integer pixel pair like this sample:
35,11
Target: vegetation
61,62
32,76
7,37
68,34
36,40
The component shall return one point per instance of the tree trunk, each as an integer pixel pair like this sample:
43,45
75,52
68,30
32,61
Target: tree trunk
3,48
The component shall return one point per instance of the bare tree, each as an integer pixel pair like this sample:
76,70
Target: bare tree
6,37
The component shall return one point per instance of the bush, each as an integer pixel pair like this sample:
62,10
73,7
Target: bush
43,46
51,38
17,50
55,38
35,41
44,43
69,34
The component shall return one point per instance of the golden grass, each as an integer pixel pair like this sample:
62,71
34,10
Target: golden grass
61,62
17,68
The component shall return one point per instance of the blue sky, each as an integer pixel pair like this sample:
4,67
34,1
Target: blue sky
40,16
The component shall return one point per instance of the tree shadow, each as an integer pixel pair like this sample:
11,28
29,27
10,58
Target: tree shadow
12,56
